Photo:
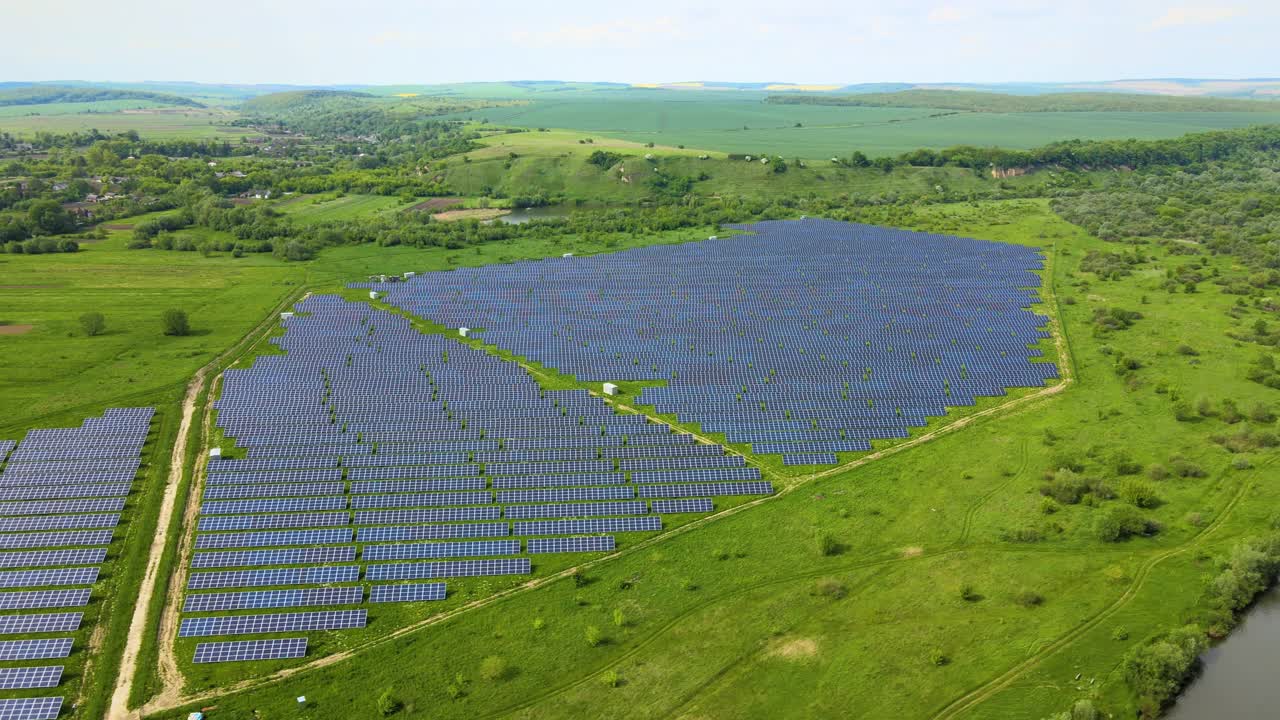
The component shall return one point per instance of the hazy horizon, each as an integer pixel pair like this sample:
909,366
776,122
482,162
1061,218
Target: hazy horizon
394,42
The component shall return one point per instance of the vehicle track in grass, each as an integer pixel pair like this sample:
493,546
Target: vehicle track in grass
138,630
984,692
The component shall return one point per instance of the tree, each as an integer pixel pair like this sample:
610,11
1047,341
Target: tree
48,218
93,323
175,322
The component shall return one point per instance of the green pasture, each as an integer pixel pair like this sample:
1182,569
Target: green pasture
156,123
745,125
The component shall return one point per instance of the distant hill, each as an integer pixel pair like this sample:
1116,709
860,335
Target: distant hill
973,101
45,94
284,102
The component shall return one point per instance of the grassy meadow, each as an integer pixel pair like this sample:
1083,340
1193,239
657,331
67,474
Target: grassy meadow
952,567
743,123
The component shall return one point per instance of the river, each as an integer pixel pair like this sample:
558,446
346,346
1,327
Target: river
1239,680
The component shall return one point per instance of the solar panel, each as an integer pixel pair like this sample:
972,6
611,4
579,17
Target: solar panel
282,576
365,502
242,650
12,650
36,492
431,532
593,543
53,507
25,678
41,708
449,568
264,599
428,515
423,551
36,599
37,578
42,623
236,492
694,489
568,510
413,592
291,556
602,525
210,541
54,539
266,522
309,504
276,622
691,505
40,558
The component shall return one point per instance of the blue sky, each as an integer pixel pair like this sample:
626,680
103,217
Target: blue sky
406,41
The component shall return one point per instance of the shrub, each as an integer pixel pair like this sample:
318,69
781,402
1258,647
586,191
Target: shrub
938,658
93,323
1084,710
1186,469
1240,462
1183,412
619,618
968,594
388,704
579,580
1026,534
1028,598
494,668
593,635
539,623
1120,634
1139,493
1122,522
831,588
1262,413
1157,471
174,322
827,545
609,678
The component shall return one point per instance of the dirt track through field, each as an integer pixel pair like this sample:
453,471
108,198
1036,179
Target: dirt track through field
170,676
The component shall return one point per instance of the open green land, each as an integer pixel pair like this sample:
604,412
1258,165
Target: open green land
159,123
745,124
953,569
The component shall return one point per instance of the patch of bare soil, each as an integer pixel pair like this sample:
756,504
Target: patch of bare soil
15,329
794,649
913,551
435,204
476,214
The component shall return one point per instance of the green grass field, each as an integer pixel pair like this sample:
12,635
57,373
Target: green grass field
325,208
163,123
743,124
777,629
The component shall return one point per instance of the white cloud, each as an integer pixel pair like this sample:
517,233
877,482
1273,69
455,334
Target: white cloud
1197,15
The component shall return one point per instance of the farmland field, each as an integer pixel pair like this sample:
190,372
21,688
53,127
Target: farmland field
812,131
323,209
163,123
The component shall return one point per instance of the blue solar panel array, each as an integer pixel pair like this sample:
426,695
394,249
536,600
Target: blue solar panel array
62,492
808,334
417,448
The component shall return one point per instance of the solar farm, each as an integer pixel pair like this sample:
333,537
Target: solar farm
376,465
376,455
804,339
62,492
